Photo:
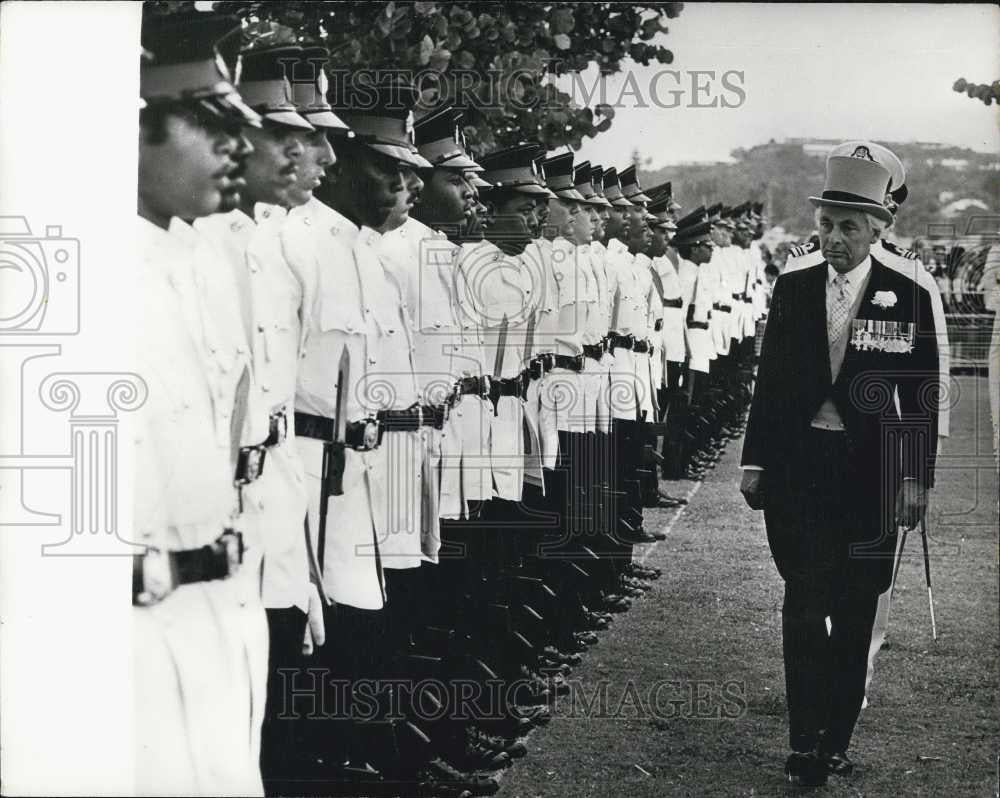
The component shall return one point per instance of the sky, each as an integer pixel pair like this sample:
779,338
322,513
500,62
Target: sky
877,71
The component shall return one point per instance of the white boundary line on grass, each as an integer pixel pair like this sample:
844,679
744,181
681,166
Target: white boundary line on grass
501,774
670,524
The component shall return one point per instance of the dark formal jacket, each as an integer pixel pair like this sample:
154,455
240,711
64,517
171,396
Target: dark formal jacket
891,354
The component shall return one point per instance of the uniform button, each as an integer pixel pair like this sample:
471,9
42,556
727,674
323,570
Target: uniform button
368,311
266,214
371,360
260,328
260,504
350,327
235,226
241,350
307,221
437,324
265,387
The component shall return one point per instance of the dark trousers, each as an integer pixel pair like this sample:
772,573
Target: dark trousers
824,673
282,748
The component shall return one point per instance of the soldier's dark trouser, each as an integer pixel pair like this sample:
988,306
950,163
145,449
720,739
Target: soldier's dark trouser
697,429
351,654
674,444
282,750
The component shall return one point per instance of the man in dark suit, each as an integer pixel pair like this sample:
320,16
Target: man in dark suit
839,449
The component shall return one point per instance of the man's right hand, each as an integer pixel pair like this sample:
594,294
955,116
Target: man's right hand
752,488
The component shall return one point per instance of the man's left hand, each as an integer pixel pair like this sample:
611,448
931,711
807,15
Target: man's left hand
911,504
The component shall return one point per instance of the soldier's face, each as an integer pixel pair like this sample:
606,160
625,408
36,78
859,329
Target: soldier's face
447,198
237,183
370,185
638,231
560,218
720,237
582,225
317,157
845,237
272,167
515,221
658,242
542,212
596,221
187,172
405,199
615,225
741,238
701,250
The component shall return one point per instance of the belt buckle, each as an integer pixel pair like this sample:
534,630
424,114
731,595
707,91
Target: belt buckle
250,464
578,362
485,386
231,544
277,427
158,580
372,434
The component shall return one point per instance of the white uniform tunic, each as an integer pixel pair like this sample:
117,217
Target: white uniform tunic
336,315
200,654
672,338
502,291
647,309
602,322
541,405
698,318
621,281
275,503
425,264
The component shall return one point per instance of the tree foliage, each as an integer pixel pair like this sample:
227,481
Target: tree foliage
492,58
980,91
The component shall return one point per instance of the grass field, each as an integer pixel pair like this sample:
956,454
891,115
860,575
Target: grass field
684,695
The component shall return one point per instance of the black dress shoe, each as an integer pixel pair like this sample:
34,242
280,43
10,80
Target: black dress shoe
805,770
838,764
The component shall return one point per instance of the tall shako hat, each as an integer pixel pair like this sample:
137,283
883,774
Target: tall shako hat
630,185
664,190
582,182
440,140
559,176
183,62
597,180
266,88
725,217
514,168
855,183
380,113
613,189
309,87
660,208
699,215
691,232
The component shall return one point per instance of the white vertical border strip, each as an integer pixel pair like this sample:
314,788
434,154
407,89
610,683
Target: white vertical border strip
68,100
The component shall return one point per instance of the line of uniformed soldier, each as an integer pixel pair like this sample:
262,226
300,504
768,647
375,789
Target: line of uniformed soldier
403,420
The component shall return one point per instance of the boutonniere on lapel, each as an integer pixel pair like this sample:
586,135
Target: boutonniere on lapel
884,299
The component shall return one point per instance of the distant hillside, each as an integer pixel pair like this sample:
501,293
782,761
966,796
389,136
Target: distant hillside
941,180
